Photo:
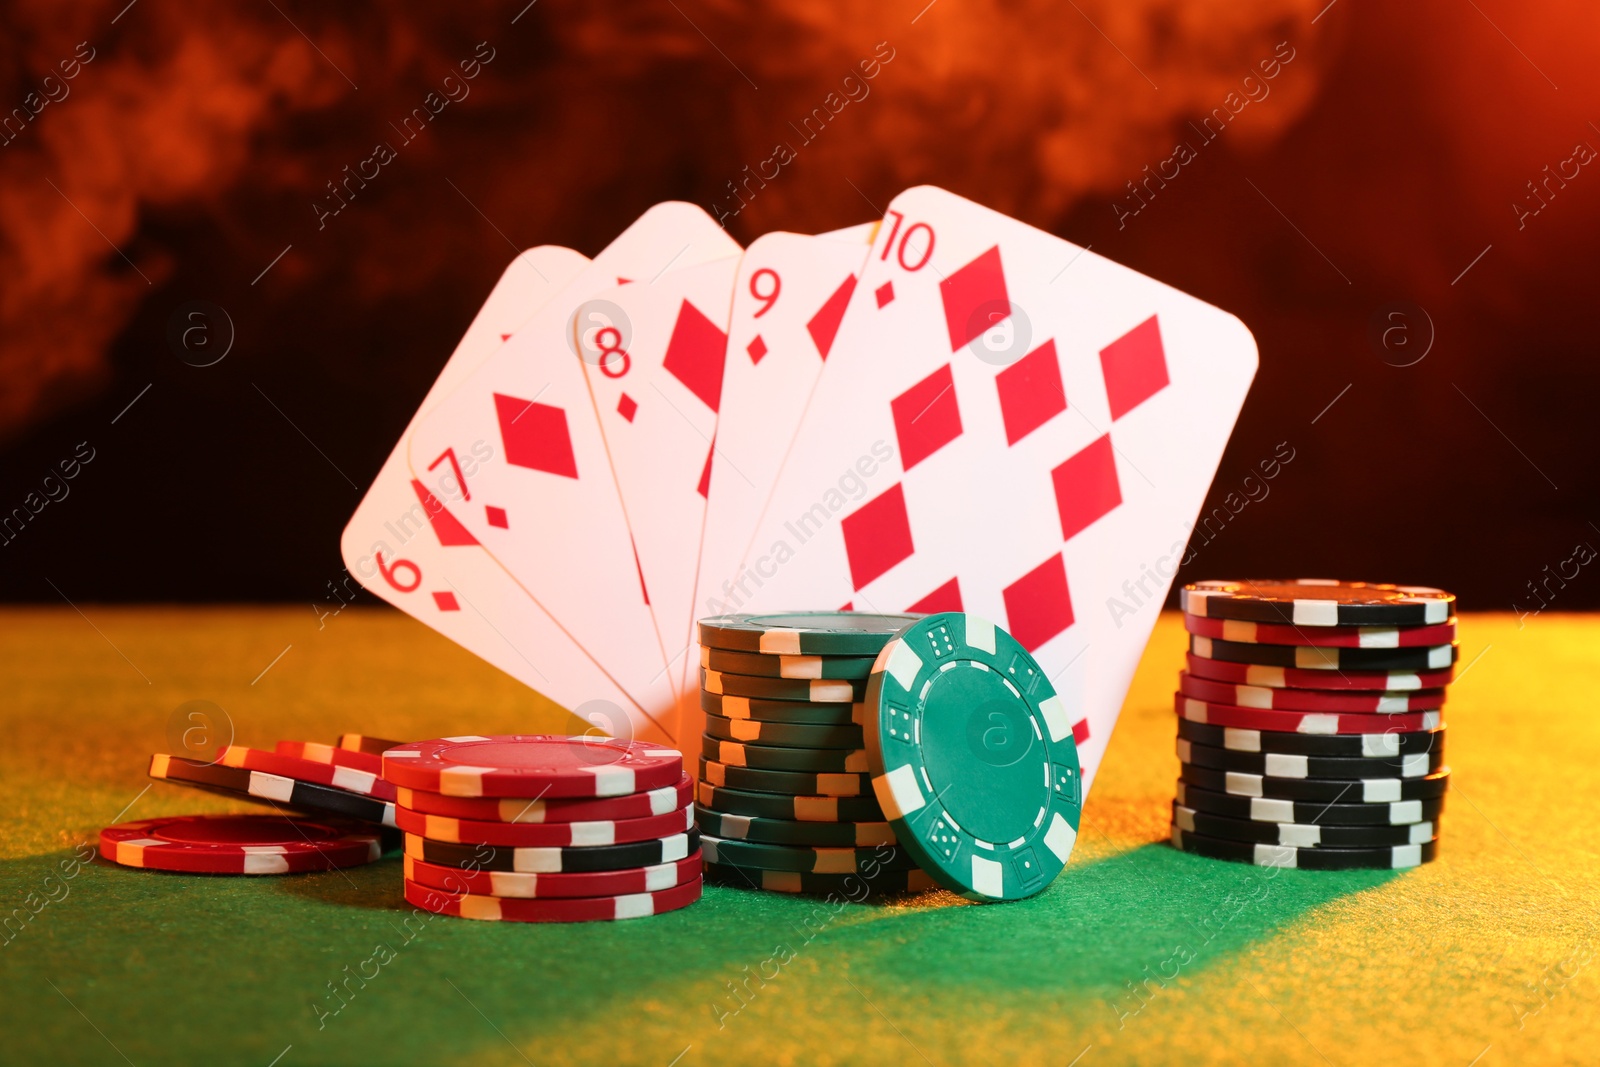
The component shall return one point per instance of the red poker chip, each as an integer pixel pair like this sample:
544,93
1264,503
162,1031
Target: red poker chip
527,884
1267,633
237,844
1369,702
1302,722
1298,678
522,765
547,835
531,810
349,779
557,910
371,762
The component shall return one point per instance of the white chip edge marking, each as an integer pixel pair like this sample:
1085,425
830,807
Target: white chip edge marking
1054,711
1316,612
1380,790
980,633
899,661
899,792
612,781
988,877
1060,838
1285,765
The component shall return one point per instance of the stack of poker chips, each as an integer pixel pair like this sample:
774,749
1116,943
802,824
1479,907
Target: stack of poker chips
1309,722
538,828
785,800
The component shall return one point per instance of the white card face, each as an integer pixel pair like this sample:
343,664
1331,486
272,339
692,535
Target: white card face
405,547
1008,425
516,453
788,302
653,353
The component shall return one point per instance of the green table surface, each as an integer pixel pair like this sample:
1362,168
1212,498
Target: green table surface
1137,954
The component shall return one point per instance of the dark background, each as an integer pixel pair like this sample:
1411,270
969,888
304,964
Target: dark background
1380,170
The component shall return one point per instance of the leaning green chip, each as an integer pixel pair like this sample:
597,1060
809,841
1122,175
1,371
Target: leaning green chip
803,633
973,758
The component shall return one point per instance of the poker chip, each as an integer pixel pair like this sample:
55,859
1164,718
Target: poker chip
785,734
1317,602
558,834
1266,633
246,784
533,810
1371,702
350,779
1276,809
852,886
532,885
1319,859
1378,790
806,860
1302,657
1286,765
376,746
795,711
1300,835
788,808
1292,678
540,860
803,633
521,765
237,844
769,758
729,827
813,691
1390,743
370,762
1305,722
800,783
757,663
552,910
974,762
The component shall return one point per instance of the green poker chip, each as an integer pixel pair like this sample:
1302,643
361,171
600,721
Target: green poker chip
973,758
798,783
853,887
730,707
782,832
809,690
803,633
787,808
805,860
760,663
764,757
785,734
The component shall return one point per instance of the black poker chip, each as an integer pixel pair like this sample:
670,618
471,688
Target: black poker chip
1381,745
1287,765
1302,835
554,860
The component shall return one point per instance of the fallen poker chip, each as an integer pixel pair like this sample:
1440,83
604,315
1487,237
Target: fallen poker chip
375,746
795,711
1307,658
729,827
1389,744
806,860
769,758
1361,701
303,770
803,633
1286,765
521,765
238,782
800,783
1275,809
973,756
788,808
812,691
1291,678
371,762
758,663
1301,835
556,834
852,886
532,885
538,810
1317,859
785,734
237,844
1317,602
552,910
1266,633
1303,722
1378,790
553,860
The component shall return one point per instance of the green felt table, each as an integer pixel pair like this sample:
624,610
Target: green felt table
1137,954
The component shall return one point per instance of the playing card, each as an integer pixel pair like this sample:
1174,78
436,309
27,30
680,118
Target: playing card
653,354
516,454
405,547
1010,425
